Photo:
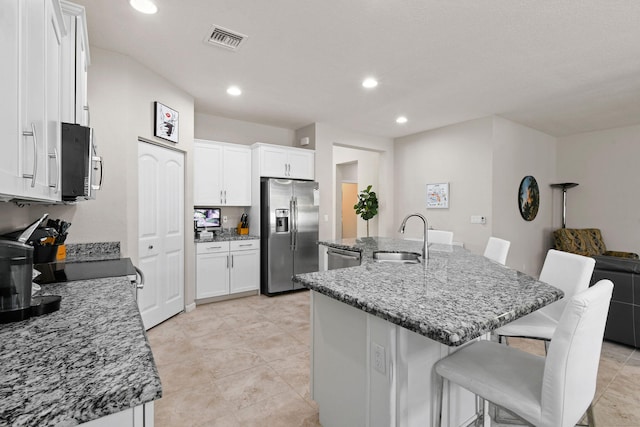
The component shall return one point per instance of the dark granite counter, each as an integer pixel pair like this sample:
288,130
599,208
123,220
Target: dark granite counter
452,298
87,360
227,237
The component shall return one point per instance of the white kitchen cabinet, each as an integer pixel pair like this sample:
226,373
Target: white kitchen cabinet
31,76
222,174
139,416
75,62
245,266
212,269
277,161
224,268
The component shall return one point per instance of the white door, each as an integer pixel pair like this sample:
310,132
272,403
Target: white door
160,232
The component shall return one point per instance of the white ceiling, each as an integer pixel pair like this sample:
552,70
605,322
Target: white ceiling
560,66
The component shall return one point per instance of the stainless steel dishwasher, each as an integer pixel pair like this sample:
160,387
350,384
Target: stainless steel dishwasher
341,258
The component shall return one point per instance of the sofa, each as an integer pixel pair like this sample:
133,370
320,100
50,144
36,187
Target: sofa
623,323
585,241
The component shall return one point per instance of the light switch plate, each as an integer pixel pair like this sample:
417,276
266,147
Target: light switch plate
478,219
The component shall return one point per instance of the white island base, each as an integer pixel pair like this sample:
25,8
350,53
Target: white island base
366,371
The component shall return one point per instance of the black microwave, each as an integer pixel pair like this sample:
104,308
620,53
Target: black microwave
81,166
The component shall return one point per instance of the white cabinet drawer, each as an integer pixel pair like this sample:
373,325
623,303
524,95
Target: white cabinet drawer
212,247
244,245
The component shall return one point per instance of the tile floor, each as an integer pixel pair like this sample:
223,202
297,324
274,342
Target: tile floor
245,362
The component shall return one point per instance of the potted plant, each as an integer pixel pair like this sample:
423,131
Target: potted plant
367,206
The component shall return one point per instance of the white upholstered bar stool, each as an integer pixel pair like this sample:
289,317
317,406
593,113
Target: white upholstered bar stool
569,272
497,249
547,392
440,236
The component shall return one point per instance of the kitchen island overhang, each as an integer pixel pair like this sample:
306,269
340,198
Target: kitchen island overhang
377,329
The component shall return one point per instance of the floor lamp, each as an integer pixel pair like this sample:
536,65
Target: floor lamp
564,186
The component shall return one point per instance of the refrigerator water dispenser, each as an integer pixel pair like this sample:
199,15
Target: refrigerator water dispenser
282,220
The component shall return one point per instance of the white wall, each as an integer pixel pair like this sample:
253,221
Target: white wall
366,174
461,155
326,137
605,164
240,132
519,151
484,161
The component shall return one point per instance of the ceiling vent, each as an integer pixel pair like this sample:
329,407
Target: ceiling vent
219,36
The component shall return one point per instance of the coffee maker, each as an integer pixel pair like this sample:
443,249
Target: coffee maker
16,267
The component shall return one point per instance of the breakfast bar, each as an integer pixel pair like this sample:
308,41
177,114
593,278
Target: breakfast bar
378,329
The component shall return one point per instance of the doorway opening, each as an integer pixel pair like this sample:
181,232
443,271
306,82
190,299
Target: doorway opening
357,169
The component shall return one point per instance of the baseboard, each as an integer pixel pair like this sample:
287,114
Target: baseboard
190,307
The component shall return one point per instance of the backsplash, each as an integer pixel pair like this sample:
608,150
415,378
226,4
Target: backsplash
92,251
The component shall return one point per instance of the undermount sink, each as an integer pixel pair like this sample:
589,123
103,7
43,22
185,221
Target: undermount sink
398,257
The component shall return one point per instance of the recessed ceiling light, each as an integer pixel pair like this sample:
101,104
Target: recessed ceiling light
144,6
369,83
401,120
234,91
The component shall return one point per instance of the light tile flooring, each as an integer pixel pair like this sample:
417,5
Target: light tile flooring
245,362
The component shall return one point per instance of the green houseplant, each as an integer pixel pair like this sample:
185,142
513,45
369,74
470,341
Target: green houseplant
367,206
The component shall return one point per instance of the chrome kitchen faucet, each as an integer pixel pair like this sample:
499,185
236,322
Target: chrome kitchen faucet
425,245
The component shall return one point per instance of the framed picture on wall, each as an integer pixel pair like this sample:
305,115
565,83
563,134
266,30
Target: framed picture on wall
165,122
438,196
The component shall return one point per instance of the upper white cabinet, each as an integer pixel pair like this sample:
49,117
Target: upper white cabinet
222,174
75,62
32,34
277,161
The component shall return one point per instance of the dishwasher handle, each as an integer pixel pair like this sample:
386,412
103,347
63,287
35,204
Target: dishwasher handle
344,254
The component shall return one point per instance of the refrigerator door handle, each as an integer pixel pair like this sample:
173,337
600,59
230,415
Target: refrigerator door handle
295,224
292,228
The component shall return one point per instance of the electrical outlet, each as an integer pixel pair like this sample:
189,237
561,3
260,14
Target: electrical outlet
379,358
224,219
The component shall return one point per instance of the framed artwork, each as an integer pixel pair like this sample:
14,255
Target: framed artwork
166,122
438,196
528,198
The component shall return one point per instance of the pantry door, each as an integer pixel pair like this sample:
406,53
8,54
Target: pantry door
160,232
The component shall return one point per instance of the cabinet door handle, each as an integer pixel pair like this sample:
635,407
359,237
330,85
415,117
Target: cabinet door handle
54,155
231,261
227,261
97,159
225,197
248,244
86,108
221,197
35,155
214,247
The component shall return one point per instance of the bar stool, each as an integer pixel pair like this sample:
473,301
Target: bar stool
547,392
497,250
569,272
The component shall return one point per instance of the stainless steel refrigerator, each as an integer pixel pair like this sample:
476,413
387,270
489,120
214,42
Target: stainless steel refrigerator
289,232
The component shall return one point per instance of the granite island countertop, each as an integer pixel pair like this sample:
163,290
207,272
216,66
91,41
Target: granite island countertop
87,360
453,298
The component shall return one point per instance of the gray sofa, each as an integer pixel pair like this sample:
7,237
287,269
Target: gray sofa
623,323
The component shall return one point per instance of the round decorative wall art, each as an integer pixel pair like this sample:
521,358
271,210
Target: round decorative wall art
529,198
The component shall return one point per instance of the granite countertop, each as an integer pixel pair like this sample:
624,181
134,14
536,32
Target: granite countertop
87,360
227,237
453,298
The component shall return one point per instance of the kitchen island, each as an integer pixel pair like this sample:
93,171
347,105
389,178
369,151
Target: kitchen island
377,329
90,360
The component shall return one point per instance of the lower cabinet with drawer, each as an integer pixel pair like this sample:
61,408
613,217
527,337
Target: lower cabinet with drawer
224,268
